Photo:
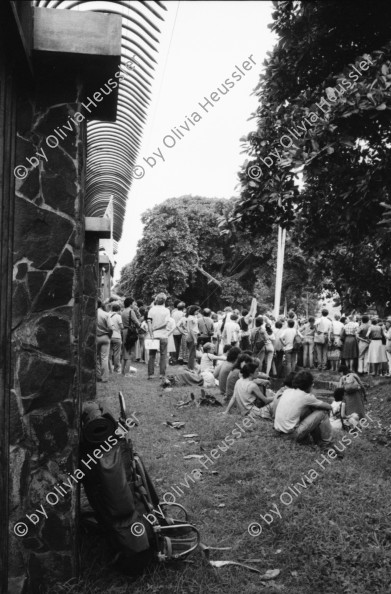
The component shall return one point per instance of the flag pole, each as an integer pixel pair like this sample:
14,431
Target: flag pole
280,269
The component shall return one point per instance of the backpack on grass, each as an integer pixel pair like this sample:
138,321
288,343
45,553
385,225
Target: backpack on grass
123,497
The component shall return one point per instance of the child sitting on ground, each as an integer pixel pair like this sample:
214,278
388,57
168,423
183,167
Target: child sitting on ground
226,348
338,418
208,358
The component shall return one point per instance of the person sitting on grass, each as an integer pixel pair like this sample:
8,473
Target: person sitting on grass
247,395
269,411
234,374
300,414
222,372
203,374
208,359
226,348
338,418
355,394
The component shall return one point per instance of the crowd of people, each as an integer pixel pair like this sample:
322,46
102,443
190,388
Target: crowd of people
240,351
199,339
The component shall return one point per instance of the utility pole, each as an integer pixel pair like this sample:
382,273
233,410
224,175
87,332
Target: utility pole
280,269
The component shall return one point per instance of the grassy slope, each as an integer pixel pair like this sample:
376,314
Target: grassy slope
334,538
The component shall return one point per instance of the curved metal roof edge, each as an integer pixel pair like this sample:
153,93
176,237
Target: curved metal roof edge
112,147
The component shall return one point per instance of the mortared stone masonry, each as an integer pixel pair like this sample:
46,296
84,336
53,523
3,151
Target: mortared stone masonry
49,269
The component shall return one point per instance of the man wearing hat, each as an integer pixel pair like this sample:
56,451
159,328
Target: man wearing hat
158,317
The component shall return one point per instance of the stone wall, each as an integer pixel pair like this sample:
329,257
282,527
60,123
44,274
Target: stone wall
53,322
90,278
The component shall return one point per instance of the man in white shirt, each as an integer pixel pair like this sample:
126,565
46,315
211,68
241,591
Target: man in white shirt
337,326
324,327
177,314
104,331
158,317
116,338
231,332
300,414
287,338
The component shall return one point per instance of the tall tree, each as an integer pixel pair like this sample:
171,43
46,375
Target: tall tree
184,252
325,101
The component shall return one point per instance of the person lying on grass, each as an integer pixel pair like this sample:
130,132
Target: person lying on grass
247,395
202,376
300,414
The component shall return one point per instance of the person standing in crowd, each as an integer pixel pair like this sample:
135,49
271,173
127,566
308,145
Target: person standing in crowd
278,349
205,327
104,331
177,314
192,334
323,328
337,326
129,320
387,333
258,339
158,318
308,332
376,354
116,338
231,332
383,366
349,337
183,356
171,351
144,354
269,348
293,316
244,325
287,339
218,320
363,345
336,332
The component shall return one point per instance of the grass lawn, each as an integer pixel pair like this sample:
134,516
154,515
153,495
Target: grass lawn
335,537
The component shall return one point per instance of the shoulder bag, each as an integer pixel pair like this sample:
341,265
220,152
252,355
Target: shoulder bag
131,335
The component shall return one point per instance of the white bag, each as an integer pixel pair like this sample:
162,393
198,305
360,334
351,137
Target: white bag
152,344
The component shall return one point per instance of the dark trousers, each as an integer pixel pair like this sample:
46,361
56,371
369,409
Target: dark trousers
279,363
177,342
191,345
245,343
163,358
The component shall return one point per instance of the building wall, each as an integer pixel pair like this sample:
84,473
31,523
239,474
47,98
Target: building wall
7,141
53,330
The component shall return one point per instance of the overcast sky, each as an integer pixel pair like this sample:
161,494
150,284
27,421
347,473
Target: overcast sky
202,44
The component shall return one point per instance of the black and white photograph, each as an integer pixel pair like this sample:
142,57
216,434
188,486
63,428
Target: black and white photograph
195,296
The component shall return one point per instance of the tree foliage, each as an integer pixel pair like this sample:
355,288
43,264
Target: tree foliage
325,101
184,252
